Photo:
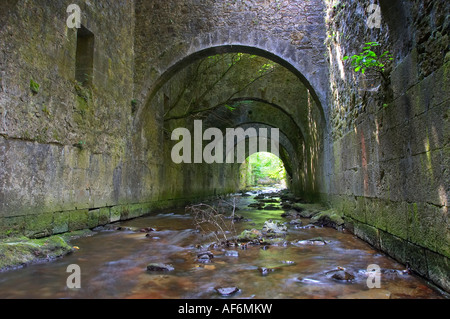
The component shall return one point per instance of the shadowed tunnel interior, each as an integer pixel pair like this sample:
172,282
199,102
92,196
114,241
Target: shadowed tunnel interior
236,89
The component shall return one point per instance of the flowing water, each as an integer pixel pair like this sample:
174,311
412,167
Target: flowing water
113,264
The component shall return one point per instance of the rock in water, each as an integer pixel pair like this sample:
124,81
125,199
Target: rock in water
265,271
231,253
314,241
159,267
248,235
328,219
340,274
274,227
296,222
343,275
227,291
205,257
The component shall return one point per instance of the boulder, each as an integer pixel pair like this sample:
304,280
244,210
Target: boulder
274,227
328,218
318,241
249,235
159,267
340,274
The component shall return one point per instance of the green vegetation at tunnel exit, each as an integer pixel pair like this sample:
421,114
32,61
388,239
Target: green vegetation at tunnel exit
262,168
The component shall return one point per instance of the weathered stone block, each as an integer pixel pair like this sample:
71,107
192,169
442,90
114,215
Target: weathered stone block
376,211
396,218
360,211
93,217
438,269
79,219
115,213
61,222
12,226
424,224
405,74
392,245
416,259
39,225
104,216
367,233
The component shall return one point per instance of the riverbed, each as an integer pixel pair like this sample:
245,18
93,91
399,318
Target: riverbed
113,263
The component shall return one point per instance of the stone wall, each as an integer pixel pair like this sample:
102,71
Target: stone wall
61,142
389,175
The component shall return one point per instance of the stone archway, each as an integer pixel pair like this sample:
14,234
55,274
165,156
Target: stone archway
300,117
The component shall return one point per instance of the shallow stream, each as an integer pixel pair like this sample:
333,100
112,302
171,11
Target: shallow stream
113,264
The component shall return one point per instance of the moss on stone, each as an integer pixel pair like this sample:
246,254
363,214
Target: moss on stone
39,225
249,235
115,214
328,218
20,251
79,219
103,216
12,226
60,222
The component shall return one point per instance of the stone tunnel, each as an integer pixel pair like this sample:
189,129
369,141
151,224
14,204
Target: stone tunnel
86,114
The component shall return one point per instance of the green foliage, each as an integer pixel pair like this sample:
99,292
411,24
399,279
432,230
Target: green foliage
231,108
80,145
369,59
34,87
266,165
134,104
46,110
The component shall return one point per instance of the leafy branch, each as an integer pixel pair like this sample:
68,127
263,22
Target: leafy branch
192,107
370,60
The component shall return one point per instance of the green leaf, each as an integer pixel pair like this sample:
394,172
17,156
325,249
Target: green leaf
34,87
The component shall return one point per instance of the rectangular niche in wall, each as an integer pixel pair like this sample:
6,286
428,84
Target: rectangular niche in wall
84,67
